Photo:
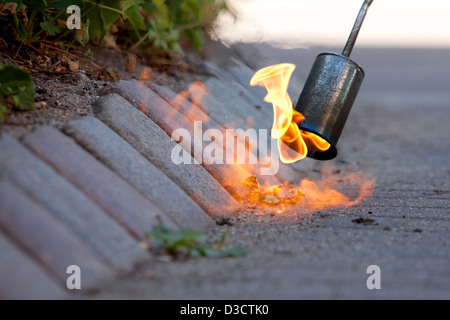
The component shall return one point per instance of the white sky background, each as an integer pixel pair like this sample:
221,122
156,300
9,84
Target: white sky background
302,23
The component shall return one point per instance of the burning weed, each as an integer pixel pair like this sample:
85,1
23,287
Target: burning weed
286,202
273,196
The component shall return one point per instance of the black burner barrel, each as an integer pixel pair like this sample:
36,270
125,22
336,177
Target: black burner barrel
327,98
330,91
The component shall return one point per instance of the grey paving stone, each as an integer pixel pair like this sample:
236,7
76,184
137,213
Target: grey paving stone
117,154
181,103
152,105
291,173
152,142
243,74
215,71
69,204
48,240
233,96
218,89
23,279
215,90
226,114
250,55
112,193
144,99
224,106
191,111
230,176
135,93
233,101
214,108
217,52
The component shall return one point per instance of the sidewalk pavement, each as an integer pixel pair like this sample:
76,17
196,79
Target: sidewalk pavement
88,194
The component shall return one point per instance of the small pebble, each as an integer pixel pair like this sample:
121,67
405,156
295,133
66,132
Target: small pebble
78,76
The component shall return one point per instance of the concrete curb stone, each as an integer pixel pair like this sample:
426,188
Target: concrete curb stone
152,142
69,204
107,146
112,193
21,278
49,241
169,119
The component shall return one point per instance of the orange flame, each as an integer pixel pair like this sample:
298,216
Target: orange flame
293,143
288,203
268,199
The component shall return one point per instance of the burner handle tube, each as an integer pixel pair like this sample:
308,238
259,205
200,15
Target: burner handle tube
356,28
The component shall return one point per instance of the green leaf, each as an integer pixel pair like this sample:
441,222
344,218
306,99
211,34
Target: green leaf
149,7
177,48
101,14
215,253
130,3
38,5
175,10
89,54
79,39
222,239
131,13
234,252
110,16
22,31
18,85
3,110
51,28
64,4
95,26
173,239
163,11
196,38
